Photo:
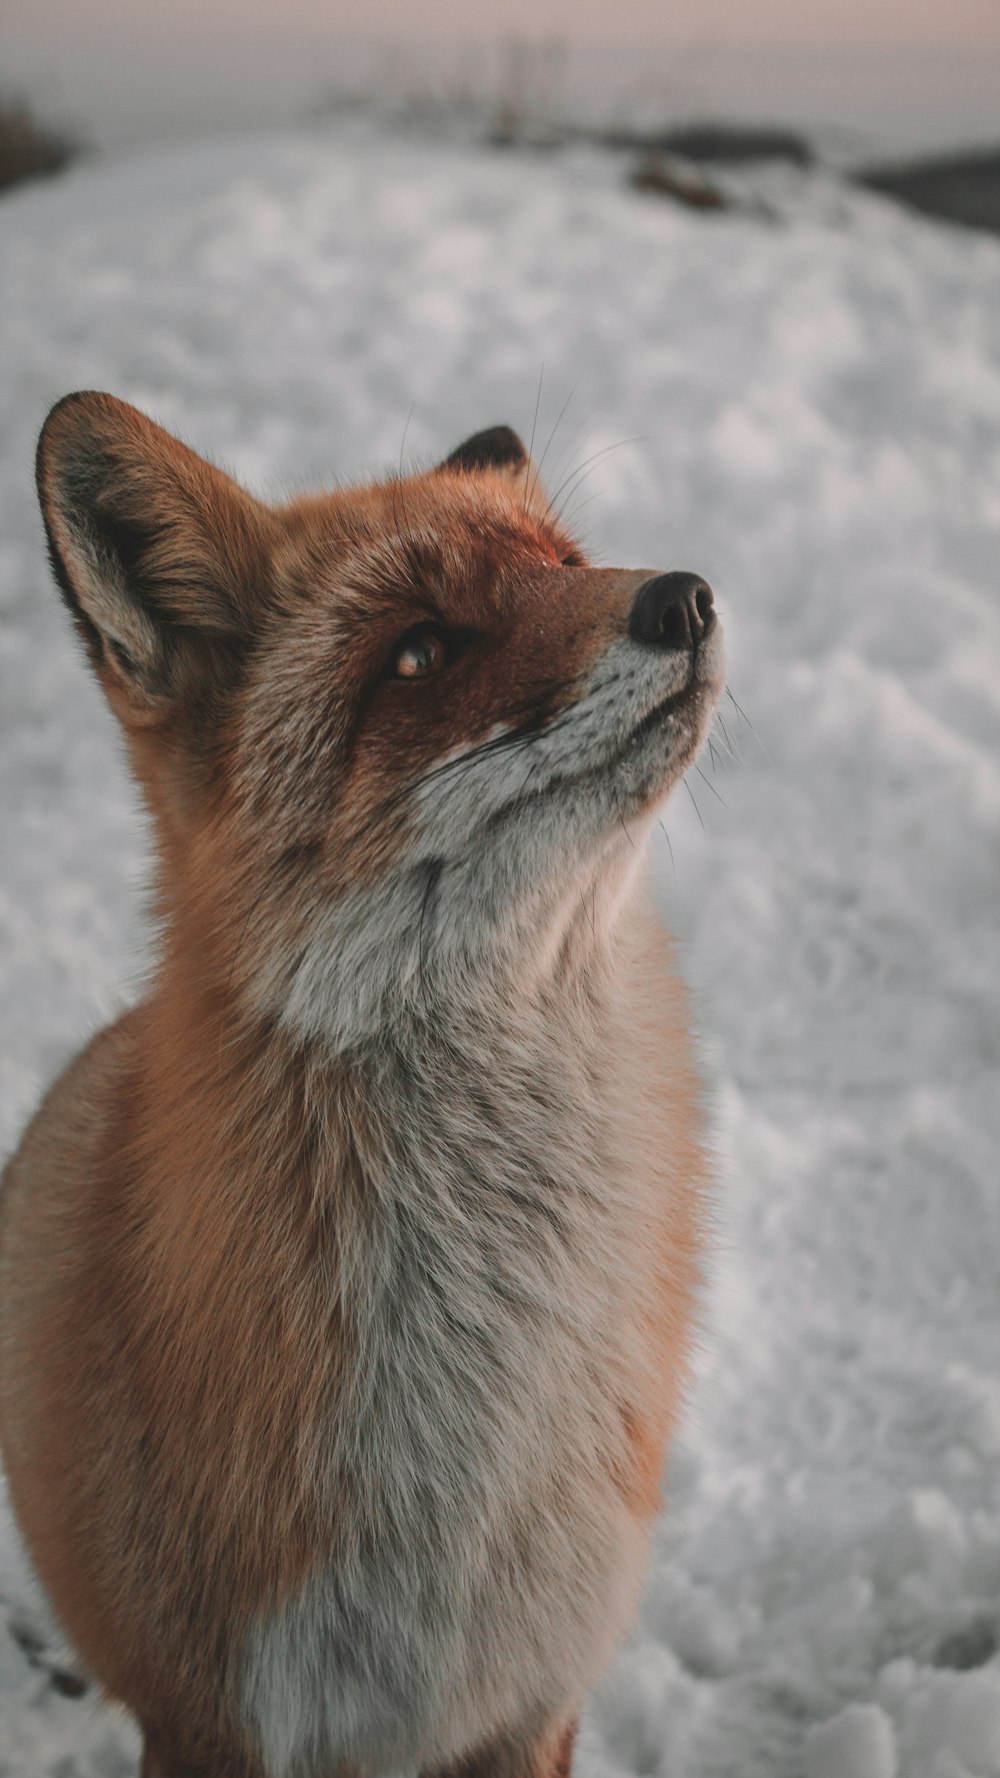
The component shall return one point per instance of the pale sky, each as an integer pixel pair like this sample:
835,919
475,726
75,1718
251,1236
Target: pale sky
887,74
916,22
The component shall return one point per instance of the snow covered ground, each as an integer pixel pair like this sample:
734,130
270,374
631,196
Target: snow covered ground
812,405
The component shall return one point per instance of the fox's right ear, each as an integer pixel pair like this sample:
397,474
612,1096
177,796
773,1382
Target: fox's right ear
162,559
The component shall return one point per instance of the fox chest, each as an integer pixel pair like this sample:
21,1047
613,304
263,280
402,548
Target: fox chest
485,1557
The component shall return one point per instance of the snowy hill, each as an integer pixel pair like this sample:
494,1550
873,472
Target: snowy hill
811,415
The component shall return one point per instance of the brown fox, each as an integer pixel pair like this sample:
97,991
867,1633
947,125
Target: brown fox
347,1282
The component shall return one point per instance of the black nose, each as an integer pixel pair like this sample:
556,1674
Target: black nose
672,611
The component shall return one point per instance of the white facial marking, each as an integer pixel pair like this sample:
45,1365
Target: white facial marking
503,833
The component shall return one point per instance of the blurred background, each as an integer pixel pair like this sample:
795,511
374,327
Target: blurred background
732,268
866,79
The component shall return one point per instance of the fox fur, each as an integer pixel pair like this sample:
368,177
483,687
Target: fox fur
347,1282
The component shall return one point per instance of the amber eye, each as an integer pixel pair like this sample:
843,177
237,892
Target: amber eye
422,651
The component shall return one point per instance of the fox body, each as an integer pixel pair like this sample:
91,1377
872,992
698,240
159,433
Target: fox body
346,1282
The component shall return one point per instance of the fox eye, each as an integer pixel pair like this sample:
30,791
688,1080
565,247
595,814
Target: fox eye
420,652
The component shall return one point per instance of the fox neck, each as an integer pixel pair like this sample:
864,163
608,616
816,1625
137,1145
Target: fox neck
525,1019
428,947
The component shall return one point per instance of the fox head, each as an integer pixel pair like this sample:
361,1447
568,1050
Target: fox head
396,739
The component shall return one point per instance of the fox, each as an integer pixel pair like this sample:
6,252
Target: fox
350,1280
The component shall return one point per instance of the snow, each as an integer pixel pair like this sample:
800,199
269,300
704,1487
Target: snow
813,402
856,1743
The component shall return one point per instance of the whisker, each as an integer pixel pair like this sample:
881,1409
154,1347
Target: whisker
745,718
710,786
568,465
455,768
571,452
508,741
571,481
512,741
402,442
521,739
621,818
559,420
570,518
696,808
399,475
670,849
531,445
730,747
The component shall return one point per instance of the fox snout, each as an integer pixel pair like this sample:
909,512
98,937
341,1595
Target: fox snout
672,611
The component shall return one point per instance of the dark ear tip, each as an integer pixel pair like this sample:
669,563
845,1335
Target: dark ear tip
97,400
498,447
62,416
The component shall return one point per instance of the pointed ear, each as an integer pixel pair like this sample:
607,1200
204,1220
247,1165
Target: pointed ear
496,448
499,451
162,559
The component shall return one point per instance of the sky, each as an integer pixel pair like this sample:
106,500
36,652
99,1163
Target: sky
895,22
887,74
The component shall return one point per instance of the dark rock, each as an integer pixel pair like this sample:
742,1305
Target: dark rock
963,188
718,142
673,179
29,150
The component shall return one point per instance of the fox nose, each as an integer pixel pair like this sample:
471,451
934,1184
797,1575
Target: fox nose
673,611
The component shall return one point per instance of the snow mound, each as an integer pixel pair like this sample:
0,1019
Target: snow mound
856,1743
810,406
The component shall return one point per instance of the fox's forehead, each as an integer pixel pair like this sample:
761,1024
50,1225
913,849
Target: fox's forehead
449,540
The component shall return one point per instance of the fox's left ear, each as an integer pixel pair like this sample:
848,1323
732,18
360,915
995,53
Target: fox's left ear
499,451
498,447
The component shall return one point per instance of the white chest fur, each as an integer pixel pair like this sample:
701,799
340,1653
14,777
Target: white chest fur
495,1284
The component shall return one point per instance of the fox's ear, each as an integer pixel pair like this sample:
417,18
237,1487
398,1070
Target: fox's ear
162,559
496,448
500,451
